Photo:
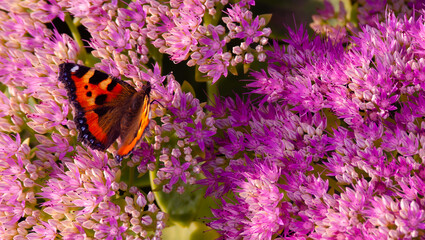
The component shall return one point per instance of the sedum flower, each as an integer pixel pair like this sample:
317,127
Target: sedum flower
332,148
255,213
339,20
52,186
342,128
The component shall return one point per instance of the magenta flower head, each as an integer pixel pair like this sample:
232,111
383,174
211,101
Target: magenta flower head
337,130
335,20
325,144
54,186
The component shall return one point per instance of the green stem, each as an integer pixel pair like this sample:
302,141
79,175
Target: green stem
73,27
132,176
208,19
212,89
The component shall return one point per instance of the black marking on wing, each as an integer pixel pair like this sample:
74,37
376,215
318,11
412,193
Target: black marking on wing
98,77
101,111
111,85
81,71
100,100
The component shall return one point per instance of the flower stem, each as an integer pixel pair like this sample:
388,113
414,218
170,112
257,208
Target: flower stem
73,27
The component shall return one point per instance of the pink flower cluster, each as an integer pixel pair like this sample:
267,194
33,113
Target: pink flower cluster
331,147
339,132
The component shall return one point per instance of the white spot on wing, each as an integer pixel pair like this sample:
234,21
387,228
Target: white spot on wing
74,68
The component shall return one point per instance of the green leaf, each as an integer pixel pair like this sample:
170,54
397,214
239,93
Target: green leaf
91,60
266,17
246,67
186,87
199,77
155,54
182,208
233,70
196,230
131,176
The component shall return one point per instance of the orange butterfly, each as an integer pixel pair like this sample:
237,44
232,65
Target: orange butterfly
106,108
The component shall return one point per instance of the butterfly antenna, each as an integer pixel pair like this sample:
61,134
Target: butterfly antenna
157,102
149,85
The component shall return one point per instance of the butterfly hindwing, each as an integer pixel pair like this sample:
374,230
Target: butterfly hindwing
99,101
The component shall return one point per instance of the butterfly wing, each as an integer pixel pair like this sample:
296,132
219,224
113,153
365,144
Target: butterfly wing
135,121
98,100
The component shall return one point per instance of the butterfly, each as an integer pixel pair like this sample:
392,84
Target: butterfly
106,108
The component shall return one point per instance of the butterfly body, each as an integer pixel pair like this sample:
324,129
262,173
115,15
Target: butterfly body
106,108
